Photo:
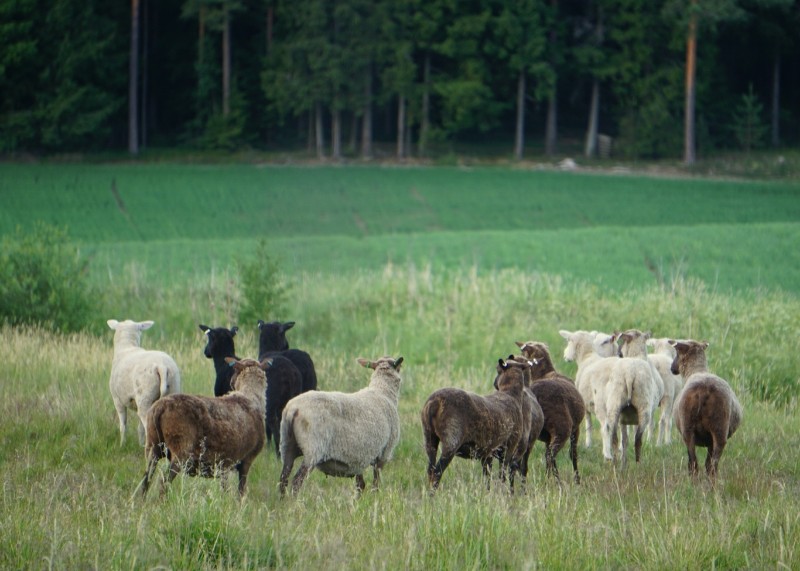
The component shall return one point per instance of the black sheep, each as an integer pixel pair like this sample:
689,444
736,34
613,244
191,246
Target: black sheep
272,341
283,379
220,345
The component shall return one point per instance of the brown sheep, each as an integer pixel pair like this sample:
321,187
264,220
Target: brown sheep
532,421
208,436
707,412
561,404
473,426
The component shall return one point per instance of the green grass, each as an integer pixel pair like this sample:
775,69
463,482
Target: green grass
182,222
447,267
67,485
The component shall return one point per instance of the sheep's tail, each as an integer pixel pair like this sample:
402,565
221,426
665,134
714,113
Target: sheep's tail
287,430
629,380
168,384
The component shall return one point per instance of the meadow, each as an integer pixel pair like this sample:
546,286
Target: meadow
446,267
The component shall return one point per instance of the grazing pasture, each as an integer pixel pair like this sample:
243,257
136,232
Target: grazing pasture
450,291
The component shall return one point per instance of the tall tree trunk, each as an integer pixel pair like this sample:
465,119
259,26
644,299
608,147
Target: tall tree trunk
226,63
519,139
551,126
366,123
594,115
270,22
319,130
133,82
425,126
689,155
336,134
776,99
145,51
401,126
551,130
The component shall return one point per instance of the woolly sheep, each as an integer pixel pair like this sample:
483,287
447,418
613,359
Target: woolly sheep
562,406
630,396
272,341
283,379
138,377
532,419
209,436
707,412
342,434
468,425
595,354
662,356
219,346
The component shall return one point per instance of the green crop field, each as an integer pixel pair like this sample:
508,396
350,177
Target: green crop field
178,222
446,267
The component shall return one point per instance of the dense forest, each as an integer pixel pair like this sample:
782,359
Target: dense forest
365,78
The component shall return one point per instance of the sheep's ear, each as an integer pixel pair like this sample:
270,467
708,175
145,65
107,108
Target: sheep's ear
231,361
533,362
261,323
520,344
112,323
366,363
704,345
234,331
204,328
397,362
287,326
503,365
565,334
145,325
266,363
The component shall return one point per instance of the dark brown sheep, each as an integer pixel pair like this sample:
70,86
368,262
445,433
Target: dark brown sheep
473,426
707,412
532,421
208,436
561,404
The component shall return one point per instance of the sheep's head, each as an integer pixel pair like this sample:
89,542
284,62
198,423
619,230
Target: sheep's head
605,345
245,368
661,345
510,375
384,363
523,363
687,352
219,341
633,343
129,330
272,335
570,351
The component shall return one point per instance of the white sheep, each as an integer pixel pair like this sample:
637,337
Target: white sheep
595,354
661,357
630,396
342,434
138,377
707,412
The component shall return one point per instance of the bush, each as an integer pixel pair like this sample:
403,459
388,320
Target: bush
263,289
43,280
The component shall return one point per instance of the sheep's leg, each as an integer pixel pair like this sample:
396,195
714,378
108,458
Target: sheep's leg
243,468
573,454
360,484
610,437
718,442
440,467
486,464
276,435
692,453
637,443
302,472
122,417
152,463
376,476
431,448
588,442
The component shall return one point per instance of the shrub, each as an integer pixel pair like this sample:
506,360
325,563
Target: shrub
43,280
263,290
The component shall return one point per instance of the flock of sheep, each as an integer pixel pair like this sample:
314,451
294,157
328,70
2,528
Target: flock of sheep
275,398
